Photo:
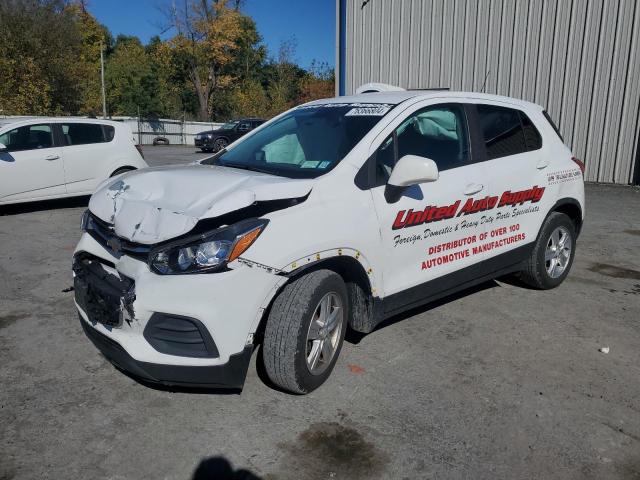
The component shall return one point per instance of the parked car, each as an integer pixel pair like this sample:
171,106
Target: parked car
45,158
338,213
216,140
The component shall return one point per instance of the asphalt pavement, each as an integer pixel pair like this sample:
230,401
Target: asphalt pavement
496,382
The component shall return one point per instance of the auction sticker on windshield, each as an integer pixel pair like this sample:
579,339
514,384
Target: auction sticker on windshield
358,109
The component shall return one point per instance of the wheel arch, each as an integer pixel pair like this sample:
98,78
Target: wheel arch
359,284
122,169
571,208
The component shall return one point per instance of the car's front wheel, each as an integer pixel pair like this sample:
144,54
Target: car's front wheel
552,256
305,331
220,144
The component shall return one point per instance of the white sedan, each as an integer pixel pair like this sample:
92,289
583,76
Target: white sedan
46,158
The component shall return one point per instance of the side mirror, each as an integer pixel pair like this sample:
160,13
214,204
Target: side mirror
3,148
413,170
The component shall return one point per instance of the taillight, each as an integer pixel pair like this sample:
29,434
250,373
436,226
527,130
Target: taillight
579,162
139,148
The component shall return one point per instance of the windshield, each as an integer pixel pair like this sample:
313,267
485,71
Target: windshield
305,143
229,125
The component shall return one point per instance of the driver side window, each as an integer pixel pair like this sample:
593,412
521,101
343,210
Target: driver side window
437,132
29,137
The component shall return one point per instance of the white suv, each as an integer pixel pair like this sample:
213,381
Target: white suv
336,214
45,158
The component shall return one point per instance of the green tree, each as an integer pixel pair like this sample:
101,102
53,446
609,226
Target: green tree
39,44
131,83
93,38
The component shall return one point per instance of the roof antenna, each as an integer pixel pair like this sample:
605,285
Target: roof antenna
485,81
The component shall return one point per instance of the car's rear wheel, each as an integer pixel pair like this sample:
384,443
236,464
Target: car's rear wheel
553,254
305,331
219,144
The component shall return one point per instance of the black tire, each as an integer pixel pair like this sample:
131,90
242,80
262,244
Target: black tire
160,141
122,170
535,272
219,144
284,349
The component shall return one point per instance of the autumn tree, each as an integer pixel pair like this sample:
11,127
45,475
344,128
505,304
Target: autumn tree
207,33
214,67
318,82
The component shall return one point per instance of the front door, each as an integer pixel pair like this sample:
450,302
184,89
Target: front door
435,228
32,165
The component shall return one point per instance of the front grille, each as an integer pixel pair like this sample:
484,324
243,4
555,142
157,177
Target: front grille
104,297
103,233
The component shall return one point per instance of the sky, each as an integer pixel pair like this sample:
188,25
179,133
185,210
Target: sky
310,22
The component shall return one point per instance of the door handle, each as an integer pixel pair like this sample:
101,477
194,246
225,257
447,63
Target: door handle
473,188
52,157
544,163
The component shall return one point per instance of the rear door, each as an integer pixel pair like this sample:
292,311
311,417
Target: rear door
431,230
88,151
517,164
32,167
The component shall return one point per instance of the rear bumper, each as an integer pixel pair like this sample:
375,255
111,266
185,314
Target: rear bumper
229,375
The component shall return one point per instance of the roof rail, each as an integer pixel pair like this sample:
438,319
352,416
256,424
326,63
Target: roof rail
378,87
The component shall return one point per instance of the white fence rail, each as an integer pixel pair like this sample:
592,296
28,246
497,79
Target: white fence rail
178,132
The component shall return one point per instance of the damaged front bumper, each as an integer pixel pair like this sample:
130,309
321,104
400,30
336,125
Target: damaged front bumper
230,375
187,330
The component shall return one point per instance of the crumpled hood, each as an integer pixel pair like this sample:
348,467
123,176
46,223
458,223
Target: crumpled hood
157,204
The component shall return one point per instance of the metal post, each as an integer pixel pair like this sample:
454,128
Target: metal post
104,100
139,123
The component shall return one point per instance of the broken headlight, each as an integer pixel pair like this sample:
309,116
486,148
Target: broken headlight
207,252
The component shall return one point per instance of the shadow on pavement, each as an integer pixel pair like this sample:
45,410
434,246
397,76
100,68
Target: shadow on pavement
44,205
219,468
356,337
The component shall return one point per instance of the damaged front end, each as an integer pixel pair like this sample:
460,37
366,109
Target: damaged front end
106,296
158,287
156,205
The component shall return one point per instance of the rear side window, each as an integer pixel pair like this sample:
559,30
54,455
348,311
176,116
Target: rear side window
86,133
109,132
502,131
29,137
553,124
532,138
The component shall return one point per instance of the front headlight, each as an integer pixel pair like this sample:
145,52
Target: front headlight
207,252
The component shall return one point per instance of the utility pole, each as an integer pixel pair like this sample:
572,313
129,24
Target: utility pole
104,100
